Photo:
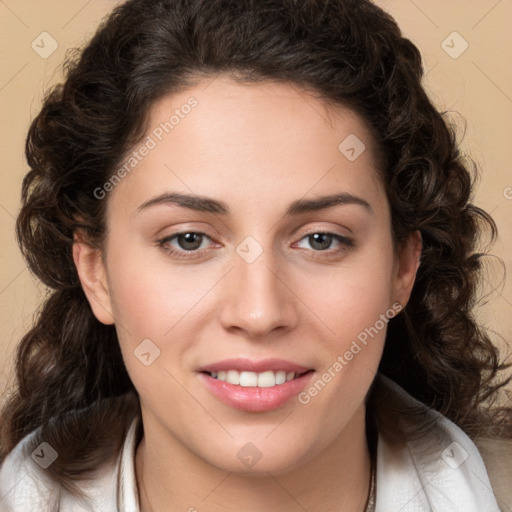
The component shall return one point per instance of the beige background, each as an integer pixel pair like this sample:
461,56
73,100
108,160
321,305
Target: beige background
477,84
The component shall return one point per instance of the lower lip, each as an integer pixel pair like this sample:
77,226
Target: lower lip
255,399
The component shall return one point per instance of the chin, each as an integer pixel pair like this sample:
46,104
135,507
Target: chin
259,458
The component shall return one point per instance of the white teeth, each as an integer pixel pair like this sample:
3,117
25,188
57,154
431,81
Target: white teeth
233,377
280,377
266,379
248,379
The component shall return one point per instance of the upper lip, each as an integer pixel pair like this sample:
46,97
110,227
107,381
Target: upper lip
257,366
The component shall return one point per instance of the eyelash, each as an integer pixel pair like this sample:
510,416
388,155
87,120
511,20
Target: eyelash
346,243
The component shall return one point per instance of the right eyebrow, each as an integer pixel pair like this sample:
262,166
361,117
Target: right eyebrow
198,203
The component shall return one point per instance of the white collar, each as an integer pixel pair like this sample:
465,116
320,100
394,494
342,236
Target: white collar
429,474
440,471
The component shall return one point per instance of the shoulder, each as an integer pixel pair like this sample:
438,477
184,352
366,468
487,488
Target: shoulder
25,482
440,470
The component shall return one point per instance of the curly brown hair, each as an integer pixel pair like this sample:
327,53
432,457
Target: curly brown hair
347,52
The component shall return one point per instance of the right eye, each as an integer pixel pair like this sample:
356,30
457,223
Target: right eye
179,244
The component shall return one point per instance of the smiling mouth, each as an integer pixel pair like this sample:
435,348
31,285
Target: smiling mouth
266,379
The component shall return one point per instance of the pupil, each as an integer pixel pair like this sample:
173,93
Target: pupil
322,240
188,241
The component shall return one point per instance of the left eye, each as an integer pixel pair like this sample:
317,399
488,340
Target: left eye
323,241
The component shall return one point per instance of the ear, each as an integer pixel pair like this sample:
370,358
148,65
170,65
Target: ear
408,262
91,271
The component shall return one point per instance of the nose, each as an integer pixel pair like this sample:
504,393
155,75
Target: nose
258,300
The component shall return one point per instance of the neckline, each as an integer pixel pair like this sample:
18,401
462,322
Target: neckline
136,432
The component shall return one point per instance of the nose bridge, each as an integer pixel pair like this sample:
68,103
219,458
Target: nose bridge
258,302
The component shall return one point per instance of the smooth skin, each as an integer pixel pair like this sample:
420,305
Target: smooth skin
257,148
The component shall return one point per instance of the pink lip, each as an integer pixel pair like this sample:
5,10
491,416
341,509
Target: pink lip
253,398
248,365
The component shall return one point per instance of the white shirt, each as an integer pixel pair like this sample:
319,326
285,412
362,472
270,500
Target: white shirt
441,472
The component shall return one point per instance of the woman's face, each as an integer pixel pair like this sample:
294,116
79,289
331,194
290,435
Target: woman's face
250,241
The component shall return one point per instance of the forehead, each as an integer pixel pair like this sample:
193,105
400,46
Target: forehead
220,135
226,103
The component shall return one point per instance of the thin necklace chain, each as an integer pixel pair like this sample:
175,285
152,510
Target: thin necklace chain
372,494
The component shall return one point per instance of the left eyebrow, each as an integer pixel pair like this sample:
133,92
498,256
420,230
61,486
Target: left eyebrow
321,203
206,204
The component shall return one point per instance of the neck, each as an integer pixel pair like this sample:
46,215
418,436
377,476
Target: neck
335,479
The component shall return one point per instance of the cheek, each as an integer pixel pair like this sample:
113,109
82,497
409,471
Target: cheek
352,297
356,306
355,302
149,296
